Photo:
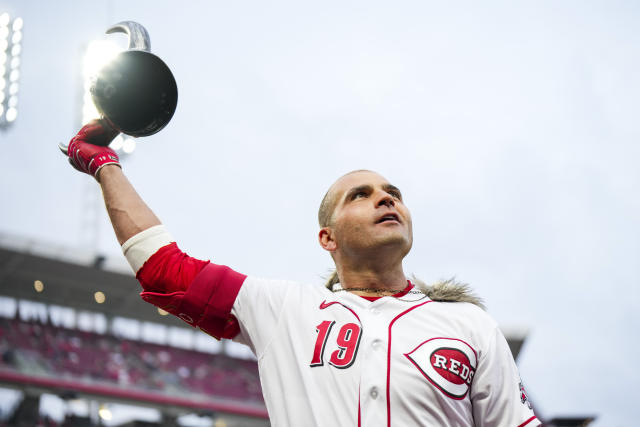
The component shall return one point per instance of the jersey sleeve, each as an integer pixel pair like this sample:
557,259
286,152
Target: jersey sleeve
259,307
497,393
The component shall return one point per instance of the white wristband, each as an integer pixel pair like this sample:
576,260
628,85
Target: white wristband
139,248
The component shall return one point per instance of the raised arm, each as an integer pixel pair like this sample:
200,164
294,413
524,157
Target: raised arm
88,152
129,214
197,291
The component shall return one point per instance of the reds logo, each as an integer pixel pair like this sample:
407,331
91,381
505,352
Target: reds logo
448,363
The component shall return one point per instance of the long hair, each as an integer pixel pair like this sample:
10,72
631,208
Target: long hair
332,279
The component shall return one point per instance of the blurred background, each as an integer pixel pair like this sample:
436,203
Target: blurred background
510,127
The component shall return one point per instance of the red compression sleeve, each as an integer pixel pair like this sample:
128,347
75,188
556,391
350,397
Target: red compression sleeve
169,270
199,292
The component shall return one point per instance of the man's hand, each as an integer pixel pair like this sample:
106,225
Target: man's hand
88,151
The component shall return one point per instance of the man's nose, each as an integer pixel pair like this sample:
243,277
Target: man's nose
386,200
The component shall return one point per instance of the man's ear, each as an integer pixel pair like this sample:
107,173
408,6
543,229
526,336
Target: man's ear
326,239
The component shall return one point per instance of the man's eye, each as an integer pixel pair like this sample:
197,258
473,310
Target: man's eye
359,194
396,194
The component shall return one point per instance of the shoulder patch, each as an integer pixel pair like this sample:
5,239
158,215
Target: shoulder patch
523,396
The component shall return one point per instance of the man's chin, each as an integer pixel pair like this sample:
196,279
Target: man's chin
392,241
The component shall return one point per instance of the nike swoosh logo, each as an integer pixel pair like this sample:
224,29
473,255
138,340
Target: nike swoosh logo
324,304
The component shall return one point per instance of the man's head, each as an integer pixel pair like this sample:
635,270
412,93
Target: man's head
363,216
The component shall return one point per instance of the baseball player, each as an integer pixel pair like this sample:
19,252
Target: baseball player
369,349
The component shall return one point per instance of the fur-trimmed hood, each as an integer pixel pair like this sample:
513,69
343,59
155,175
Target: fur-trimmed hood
449,291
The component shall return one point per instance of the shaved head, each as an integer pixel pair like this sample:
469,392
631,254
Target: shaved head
364,222
328,204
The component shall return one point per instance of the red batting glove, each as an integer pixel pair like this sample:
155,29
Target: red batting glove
88,151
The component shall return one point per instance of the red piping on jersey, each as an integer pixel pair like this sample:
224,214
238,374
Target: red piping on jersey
324,304
527,422
389,358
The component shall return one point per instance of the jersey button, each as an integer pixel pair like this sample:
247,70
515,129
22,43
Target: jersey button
375,311
373,392
376,344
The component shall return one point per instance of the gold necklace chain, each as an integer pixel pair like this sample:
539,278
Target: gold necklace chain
374,290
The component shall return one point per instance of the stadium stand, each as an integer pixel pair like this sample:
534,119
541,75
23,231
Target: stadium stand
105,362
45,350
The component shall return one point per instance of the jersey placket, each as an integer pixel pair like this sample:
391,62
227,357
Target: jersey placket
374,361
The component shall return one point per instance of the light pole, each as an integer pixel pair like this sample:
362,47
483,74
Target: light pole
10,50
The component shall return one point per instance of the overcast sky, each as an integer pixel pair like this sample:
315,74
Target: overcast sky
511,128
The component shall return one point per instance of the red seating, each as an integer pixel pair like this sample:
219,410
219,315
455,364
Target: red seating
34,348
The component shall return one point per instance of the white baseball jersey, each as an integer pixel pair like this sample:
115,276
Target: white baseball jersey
337,359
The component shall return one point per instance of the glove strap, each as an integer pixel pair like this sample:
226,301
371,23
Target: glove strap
101,160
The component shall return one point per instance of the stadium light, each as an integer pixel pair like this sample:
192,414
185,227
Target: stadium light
98,54
10,50
99,297
105,413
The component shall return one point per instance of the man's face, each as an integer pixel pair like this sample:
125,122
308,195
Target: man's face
369,214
